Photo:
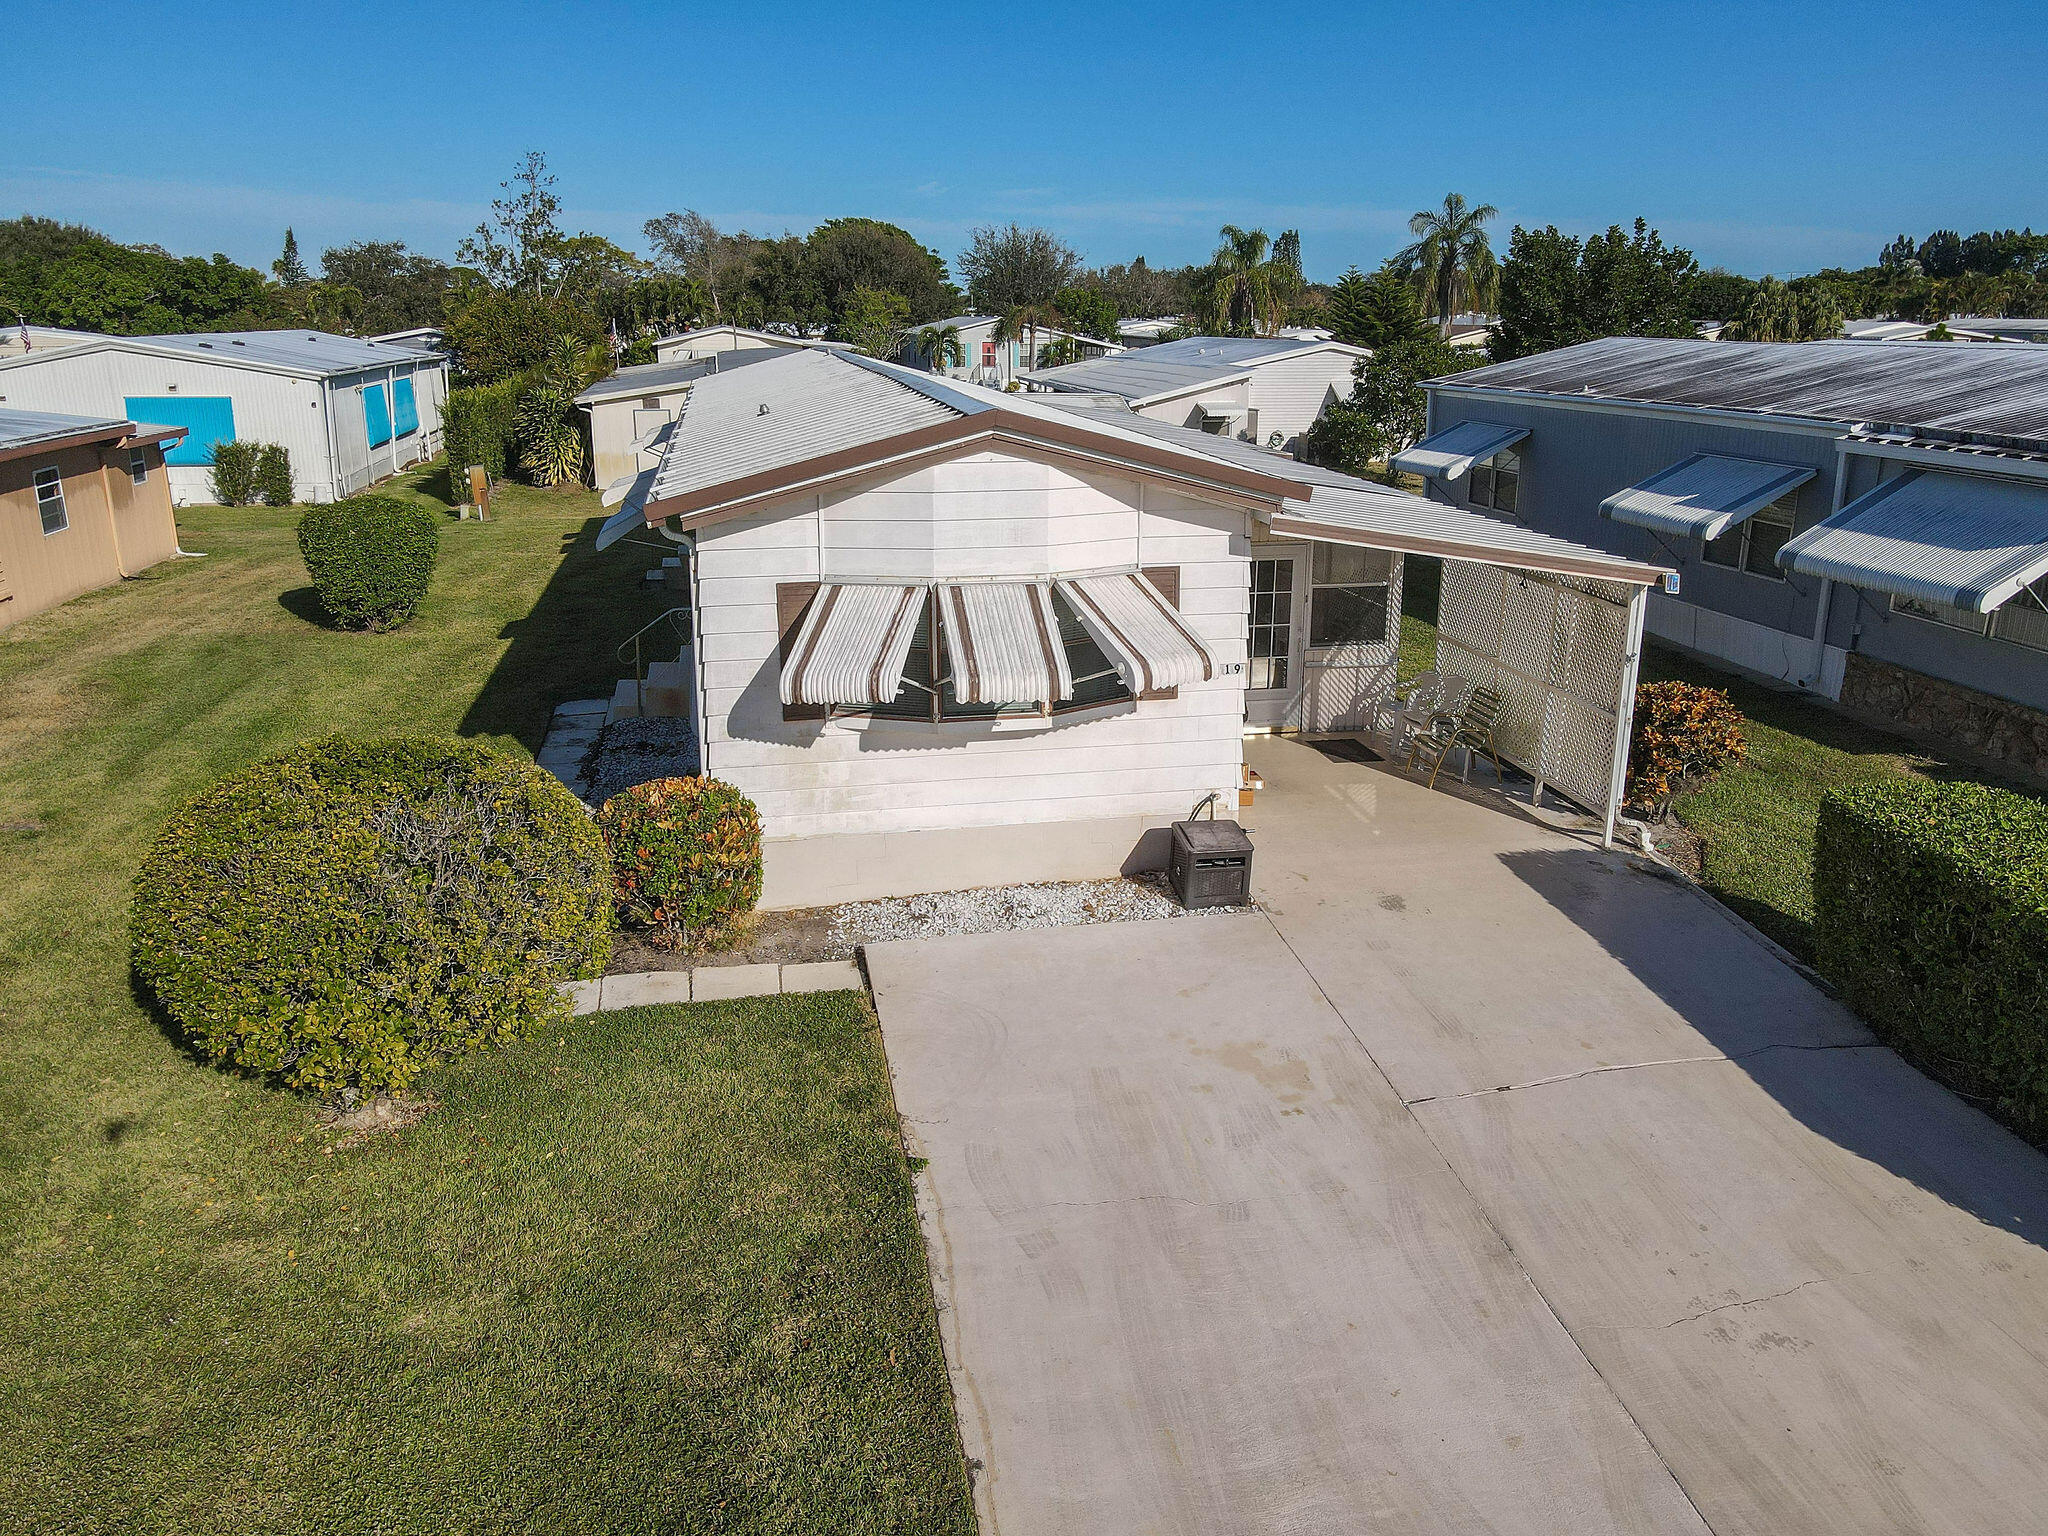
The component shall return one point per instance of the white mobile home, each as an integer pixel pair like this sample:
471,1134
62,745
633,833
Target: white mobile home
627,408
1266,390
349,412
991,361
947,636
715,340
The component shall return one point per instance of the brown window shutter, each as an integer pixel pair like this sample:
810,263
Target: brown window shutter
792,598
1167,579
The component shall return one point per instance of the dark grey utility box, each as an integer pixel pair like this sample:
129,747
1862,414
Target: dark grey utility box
1211,864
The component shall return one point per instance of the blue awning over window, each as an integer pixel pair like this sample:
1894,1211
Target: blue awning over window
405,407
1448,454
207,419
377,414
1963,541
1704,496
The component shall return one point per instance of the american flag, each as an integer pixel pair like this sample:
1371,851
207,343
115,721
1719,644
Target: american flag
26,344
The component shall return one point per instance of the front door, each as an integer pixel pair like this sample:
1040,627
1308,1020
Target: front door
1279,595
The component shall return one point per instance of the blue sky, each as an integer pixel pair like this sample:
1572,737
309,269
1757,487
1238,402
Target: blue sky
1776,137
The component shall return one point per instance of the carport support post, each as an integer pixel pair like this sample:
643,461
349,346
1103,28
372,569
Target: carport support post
1625,709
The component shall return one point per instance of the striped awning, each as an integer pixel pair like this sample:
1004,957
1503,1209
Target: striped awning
1003,643
1140,632
1704,496
1962,541
853,645
1446,455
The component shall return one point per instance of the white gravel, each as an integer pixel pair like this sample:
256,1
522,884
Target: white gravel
995,909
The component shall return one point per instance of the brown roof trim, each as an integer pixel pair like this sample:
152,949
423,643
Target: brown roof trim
717,502
111,432
1458,549
144,432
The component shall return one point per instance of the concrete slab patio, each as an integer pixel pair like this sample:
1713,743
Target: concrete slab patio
1485,1182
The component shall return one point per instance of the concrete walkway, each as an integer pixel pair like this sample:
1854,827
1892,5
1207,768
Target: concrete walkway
1485,1183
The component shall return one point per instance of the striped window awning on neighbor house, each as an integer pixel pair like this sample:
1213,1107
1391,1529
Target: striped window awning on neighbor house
1446,455
1141,633
1704,496
1961,541
853,645
1003,643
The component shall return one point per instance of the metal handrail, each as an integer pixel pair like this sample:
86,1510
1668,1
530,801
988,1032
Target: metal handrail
678,621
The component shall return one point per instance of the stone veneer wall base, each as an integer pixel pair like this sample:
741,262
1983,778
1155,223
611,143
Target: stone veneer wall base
2003,736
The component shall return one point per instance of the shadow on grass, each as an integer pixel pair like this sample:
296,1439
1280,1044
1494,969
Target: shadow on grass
304,603
1796,1042
566,645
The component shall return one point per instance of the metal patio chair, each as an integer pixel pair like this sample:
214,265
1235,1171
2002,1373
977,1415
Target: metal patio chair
1422,699
1469,728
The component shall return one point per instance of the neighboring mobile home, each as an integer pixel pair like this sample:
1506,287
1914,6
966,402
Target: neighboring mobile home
628,408
991,361
83,503
1266,390
948,636
1867,522
713,340
349,412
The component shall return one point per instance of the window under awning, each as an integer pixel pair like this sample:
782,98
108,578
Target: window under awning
1141,633
1704,496
1962,541
852,645
1446,455
1002,643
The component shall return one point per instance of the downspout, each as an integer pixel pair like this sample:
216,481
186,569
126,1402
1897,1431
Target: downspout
1827,586
326,387
113,528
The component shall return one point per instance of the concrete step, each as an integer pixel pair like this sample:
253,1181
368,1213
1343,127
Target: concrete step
671,685
625,703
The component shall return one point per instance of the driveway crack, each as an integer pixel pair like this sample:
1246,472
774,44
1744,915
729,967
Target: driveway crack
1634,1066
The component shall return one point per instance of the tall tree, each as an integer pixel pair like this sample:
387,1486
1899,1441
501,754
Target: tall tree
690,245
288,269
1089,311
1451,262
845,255
1556,291
1247,291
1941,254
1375,312
518,246
1011,266
939,346
874,321
1900,254
399,289
1024,323
1802,310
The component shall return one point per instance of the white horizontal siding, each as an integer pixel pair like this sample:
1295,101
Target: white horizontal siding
1290,392
982,514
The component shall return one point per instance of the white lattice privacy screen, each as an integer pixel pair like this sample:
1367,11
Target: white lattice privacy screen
1554,647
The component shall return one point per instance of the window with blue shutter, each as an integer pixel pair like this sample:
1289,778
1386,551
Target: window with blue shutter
377,414
406,407
207,419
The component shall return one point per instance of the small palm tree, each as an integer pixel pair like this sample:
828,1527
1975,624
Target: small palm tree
550,437
1024,322
1451,263
939,346
1247,289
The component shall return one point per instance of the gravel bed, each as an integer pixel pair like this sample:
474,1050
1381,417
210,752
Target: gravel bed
996,909
629,752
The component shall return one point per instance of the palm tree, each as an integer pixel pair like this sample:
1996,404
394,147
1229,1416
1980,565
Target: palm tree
1246,287
1451,263
1023,322
940,347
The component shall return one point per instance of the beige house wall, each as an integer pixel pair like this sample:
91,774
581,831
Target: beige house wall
113,527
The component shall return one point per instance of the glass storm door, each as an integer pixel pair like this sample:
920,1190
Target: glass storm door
1273,669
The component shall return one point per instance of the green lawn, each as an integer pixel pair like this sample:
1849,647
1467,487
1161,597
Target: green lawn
658,1271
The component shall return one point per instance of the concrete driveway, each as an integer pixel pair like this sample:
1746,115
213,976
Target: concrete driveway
1483,1183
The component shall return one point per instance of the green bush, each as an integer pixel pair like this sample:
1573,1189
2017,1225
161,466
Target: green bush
481,425
370,558
234,472
274,476
1931,915
686,857
343,915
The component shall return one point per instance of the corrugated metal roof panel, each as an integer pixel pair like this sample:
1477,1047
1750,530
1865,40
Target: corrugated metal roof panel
1964,541
652,378
1933,385
790,407
1704,496
1448,454
1139,375
21,429
314,352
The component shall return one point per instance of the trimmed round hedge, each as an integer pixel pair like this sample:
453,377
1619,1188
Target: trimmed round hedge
343,915
686,857
370,558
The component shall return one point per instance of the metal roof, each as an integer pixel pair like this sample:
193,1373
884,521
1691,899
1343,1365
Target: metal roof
1173,367
309,352
1965,541
653,378
24,429
1347,509
792,406
1926,386
1704,496
1448,454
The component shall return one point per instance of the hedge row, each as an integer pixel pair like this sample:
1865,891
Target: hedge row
480,423
250,472
1931,915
